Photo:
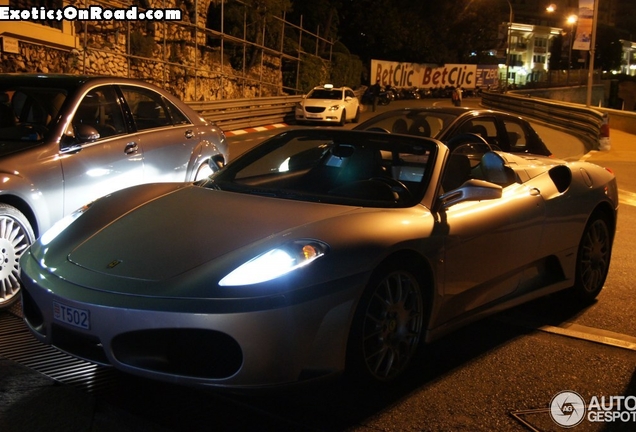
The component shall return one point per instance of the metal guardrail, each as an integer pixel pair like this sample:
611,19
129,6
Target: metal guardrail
582,121
243,113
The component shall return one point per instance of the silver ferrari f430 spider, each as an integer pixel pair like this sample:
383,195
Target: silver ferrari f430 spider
316,252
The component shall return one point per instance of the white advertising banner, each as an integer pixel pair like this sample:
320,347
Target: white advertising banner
584,25
418,75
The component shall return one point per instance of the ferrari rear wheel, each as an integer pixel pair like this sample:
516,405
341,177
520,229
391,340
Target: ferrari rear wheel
16,235
387,326
593,259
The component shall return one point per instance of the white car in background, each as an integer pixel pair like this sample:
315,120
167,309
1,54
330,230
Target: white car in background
329,104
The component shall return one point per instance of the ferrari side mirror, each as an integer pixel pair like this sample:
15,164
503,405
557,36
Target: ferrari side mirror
471,190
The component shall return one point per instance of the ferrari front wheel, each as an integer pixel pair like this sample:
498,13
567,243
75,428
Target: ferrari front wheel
16,235
593,259
387,326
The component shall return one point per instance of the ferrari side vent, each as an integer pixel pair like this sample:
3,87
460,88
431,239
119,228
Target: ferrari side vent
562,177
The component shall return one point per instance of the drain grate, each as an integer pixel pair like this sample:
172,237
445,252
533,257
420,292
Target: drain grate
19,345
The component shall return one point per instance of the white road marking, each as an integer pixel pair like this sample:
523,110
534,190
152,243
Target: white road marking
626,197
575,331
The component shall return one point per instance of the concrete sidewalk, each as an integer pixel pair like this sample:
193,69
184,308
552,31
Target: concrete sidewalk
623,148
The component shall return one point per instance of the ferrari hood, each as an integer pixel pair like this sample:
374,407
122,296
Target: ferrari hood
181,230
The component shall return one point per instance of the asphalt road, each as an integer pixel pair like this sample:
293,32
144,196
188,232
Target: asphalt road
499,374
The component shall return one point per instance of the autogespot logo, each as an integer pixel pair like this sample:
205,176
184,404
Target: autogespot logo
567,409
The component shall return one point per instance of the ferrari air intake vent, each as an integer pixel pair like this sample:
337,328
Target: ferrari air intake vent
187,352
562,177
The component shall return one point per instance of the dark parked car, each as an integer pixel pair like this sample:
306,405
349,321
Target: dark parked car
505,131
67,140
315,252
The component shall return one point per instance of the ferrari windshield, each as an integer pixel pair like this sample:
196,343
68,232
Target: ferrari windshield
426,123
338,167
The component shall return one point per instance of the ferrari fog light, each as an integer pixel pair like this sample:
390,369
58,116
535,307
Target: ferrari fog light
275,263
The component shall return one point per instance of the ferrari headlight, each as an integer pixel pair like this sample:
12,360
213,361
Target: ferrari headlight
62,224
275,263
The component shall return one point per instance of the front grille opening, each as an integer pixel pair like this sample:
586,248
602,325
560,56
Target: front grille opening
78,344
315,110
186,352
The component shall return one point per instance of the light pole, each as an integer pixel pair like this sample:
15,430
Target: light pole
571,20
590,72
510,19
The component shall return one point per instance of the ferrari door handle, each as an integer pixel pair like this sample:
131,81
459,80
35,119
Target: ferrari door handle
189,134
131,148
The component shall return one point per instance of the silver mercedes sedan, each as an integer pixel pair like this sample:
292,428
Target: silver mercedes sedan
66,140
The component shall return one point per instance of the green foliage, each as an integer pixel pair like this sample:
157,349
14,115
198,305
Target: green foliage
254,20
609,49
346,69
422,32
313,72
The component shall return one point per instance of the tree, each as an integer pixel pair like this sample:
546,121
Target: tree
609,50
321,17
420,32
255,20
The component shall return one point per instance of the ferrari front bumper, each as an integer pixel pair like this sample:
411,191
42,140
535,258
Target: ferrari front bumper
175,340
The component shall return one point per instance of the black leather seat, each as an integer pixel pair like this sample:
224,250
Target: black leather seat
495,170
458,170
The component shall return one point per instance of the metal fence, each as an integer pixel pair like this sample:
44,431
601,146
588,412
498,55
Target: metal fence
203,57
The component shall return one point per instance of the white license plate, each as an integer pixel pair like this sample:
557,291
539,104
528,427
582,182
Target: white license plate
316,116
70,315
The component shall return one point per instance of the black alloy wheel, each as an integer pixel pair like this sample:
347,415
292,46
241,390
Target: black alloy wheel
387,326
593,259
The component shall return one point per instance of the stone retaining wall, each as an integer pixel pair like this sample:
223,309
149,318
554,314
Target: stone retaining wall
171,55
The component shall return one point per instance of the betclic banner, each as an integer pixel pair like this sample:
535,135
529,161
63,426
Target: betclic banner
408,75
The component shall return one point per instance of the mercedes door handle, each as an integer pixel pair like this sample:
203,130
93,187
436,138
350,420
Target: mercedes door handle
131,148
189,134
